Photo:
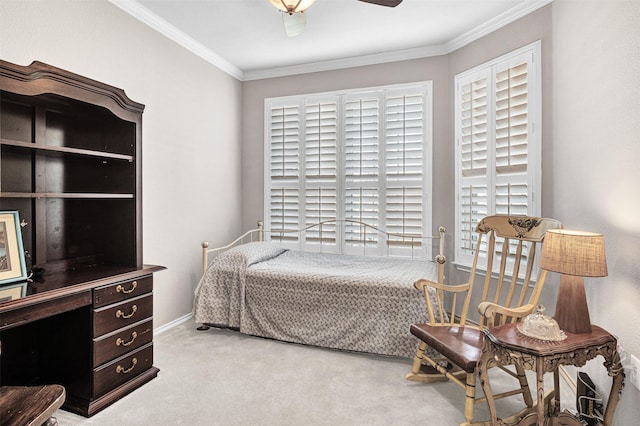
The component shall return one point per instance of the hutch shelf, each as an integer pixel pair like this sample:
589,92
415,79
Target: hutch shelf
70,164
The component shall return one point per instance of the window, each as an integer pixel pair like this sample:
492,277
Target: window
360,155
498,143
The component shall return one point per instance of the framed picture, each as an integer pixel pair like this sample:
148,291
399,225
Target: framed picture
12,264
12,292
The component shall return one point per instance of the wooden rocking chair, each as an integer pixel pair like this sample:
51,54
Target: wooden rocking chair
509,294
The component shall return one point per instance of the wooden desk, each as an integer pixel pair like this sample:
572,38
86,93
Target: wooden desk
90,331
506,345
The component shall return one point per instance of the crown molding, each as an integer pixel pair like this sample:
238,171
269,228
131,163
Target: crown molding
480,31
145,16
496,23
356,61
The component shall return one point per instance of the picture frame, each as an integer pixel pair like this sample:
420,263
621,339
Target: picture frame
12,261
12,292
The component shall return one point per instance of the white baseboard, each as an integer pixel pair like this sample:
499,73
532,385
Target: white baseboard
170,325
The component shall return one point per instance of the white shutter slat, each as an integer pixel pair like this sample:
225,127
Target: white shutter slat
511,198
321,141
361,204
284,169
512,142
320,205
361,141
283,214
473,127
362,165
283,142
512,126
404,213
473,207
404,168
321,159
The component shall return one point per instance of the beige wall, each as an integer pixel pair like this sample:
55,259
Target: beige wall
191,147
595,158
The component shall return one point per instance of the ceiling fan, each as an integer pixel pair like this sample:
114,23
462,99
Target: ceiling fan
295,19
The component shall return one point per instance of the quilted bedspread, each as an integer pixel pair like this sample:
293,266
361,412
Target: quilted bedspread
331,300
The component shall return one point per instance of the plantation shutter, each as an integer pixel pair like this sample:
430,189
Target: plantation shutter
321,133
284,171
361,169
360,156
404,168
473,157
497,150
512,135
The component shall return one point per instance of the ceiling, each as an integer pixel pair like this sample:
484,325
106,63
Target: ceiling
246,38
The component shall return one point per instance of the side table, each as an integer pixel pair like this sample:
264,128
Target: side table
507,345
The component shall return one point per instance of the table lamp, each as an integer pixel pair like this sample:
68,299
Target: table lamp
574,255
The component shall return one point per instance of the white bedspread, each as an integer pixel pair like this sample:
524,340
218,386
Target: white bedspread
329,300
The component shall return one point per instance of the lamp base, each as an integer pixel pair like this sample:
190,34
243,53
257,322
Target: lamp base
572,312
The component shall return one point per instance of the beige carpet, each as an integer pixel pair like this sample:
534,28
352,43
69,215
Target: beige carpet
221,377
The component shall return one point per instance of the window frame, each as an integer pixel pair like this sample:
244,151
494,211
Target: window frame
532,54
425,88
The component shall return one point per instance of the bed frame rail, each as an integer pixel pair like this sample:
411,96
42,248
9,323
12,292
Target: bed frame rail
257,234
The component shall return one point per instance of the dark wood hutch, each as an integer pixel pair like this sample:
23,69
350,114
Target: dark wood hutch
70,164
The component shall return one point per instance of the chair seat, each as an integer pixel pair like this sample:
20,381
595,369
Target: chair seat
461,345
29,406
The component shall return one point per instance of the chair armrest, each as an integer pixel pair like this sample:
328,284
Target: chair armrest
490,310
422,283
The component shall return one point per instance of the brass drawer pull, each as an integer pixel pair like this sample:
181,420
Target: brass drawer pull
121,314
121,289
120,342
121,369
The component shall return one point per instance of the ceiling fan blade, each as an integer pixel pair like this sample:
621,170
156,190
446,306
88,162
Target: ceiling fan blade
388,3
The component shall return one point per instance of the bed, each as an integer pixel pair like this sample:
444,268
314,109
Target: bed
340,301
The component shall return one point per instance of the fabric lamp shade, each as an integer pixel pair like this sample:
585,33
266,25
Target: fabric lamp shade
577,253
574,255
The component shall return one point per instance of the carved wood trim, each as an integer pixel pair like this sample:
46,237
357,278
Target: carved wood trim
29,80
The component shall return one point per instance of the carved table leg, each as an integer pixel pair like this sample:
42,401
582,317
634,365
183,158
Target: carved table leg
540,388
614,368
554,403
483,365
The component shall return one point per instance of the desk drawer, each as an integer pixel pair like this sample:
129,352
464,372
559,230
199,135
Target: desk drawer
123,290
121,370
121,341
113,317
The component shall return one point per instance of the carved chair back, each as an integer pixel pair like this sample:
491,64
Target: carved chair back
505,253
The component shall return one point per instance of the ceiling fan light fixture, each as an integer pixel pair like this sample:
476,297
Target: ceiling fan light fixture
292,6
294,23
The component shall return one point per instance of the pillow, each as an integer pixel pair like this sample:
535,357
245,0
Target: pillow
250,253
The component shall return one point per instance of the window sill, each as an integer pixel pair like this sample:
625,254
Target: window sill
463,267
